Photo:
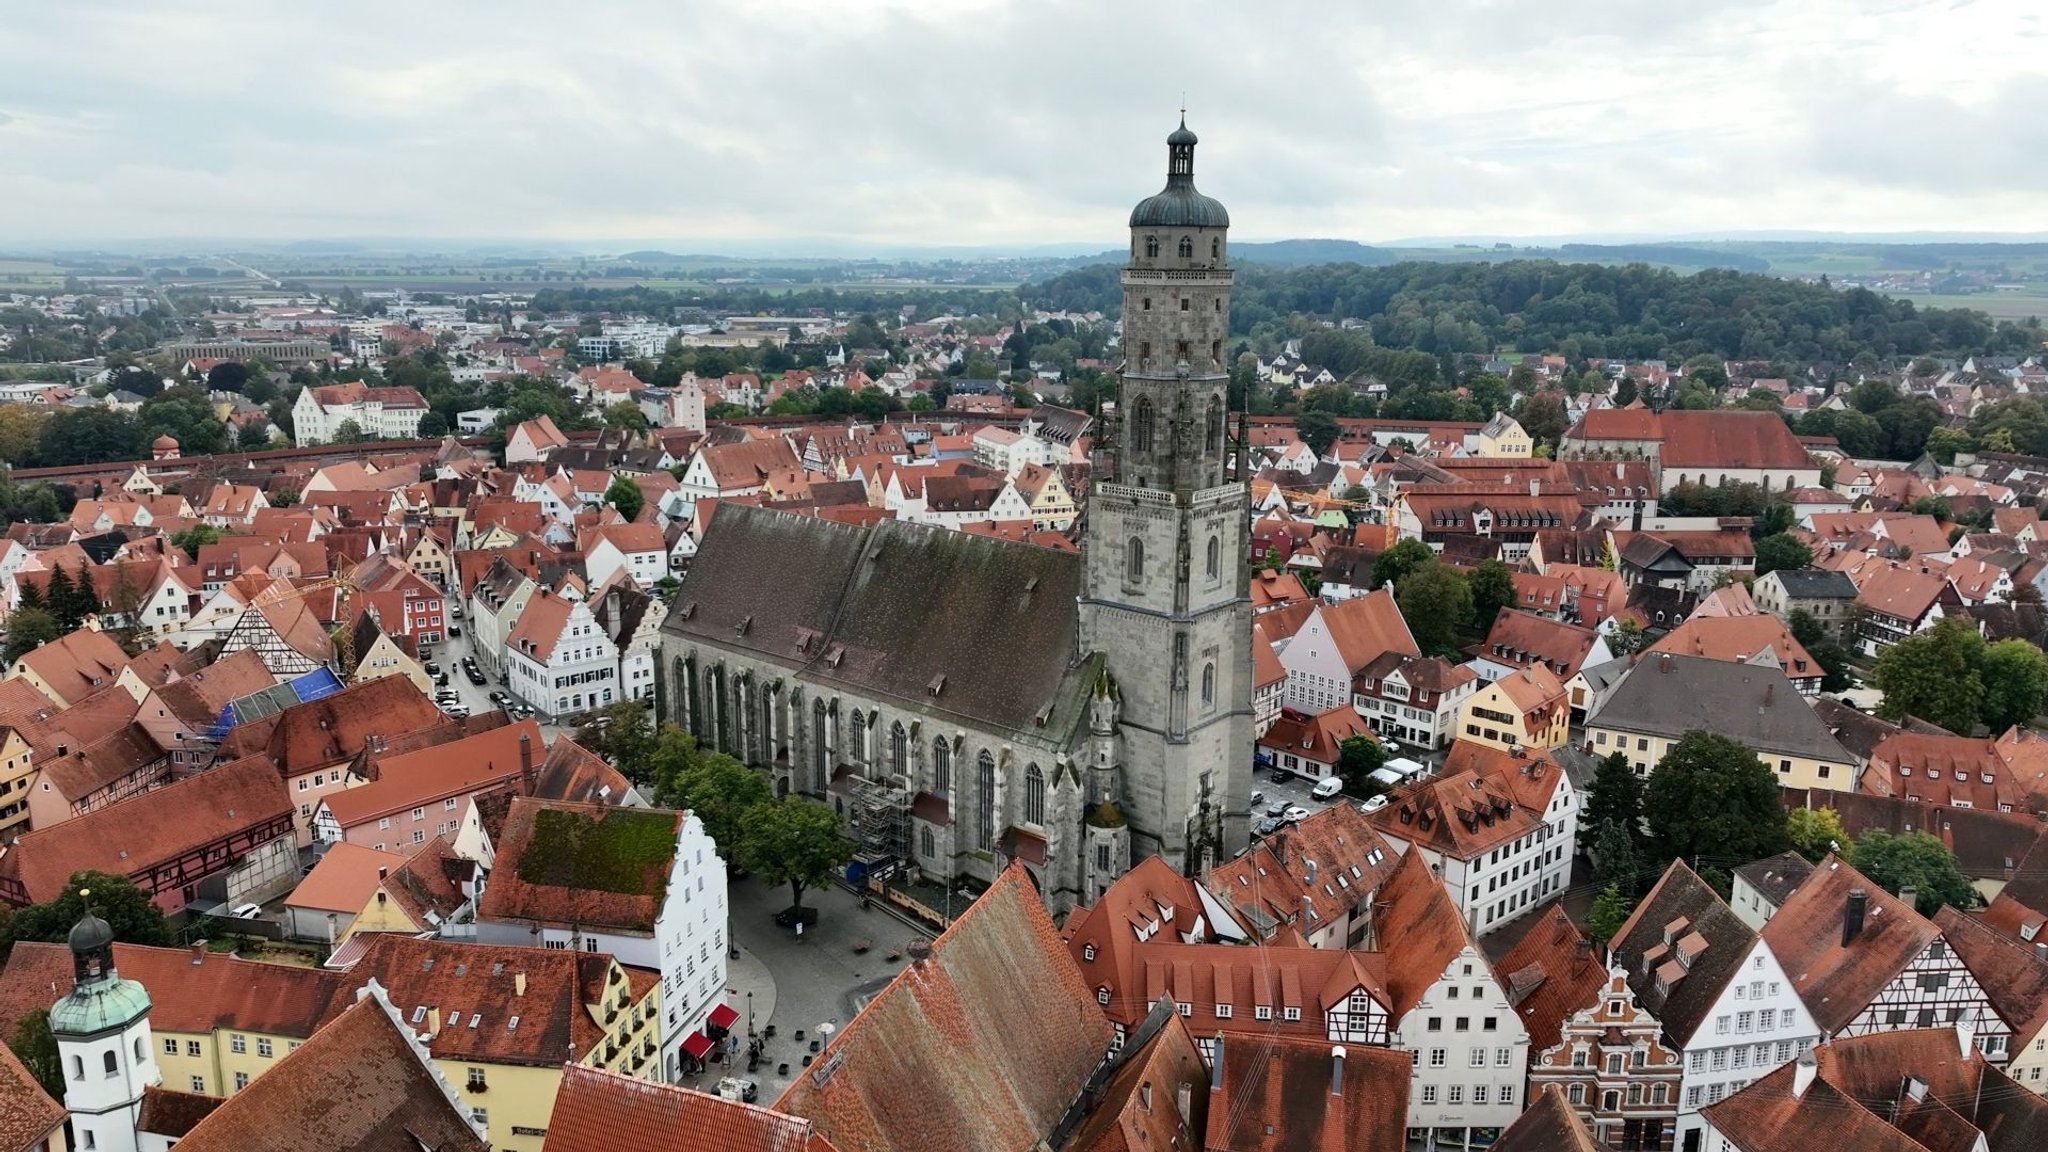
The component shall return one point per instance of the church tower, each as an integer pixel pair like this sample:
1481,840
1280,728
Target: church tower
1166,591
103,1043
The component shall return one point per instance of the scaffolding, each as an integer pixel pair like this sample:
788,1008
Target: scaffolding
879,819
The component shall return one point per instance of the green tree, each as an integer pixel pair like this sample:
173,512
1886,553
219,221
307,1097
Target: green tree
1436,602
1815,832
1404,557
1918,861
196,537
1610,911
1711,797
722,792
1614,858
115,899
1627,639
1805,628
2015,675
27,630
622,734
1934,676
1357,758
625,414
624,495
673,755
1318,430
36,1047
433,426
1781,551
1542,417
793,841
1493,588
348,432
1616,797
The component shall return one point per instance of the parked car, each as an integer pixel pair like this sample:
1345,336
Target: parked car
1296,814
432,668
740,1089
1374,804
441,679
1258,797
1327,788
501,699
1267,826
1277,808
247,911
454,630
475,677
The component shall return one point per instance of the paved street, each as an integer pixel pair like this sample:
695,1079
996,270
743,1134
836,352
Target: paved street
449,653
822,980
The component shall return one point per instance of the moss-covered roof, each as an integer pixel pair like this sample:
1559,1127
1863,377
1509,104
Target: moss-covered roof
568,863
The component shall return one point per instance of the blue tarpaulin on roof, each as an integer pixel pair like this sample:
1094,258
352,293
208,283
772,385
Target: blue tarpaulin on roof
314,685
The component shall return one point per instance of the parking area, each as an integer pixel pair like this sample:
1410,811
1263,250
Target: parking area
1295,791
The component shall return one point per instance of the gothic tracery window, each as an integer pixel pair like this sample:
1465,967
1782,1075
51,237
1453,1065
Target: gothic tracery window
942,766
1187,248
1151,246
1134,561
1141,425
985,800
899,749
1034,795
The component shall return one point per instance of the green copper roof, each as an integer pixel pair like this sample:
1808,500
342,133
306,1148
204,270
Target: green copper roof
1179,206
100,1006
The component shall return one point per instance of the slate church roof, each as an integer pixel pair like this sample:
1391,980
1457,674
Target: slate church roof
935,620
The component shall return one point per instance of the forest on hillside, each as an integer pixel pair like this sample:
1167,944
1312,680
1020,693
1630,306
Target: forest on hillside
1634,311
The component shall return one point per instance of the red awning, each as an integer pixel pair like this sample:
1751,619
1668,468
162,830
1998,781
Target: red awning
724,1017
697,1044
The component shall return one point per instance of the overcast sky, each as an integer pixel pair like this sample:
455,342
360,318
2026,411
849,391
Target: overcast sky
1026,122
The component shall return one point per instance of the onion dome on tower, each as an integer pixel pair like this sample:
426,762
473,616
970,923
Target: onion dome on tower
1178,205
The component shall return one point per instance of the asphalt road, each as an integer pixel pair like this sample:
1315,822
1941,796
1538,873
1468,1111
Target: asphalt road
449,653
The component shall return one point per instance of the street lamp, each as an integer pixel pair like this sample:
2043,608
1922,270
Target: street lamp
750,1014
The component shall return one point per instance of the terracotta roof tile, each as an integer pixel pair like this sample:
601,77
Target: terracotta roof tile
611,877
1549,1124
27,1114
343,879
486,761
76,665
142,831
1277,1097
1837,980
598,1111
358,1084
335,728
471,993
1682,899
948,1058
1416,911
1552,972
174,1114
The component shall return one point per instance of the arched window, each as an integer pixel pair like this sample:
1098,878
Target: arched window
1215,557
1151,246
139,1057
110,1062
78,1067
1215,247
678,687
1134,561
927,846
942,766
1141,425
1187,247
858,746
1034,795
1208,683
899,749
985,800
1212,428
821,754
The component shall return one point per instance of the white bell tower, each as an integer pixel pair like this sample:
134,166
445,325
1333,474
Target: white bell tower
104,1044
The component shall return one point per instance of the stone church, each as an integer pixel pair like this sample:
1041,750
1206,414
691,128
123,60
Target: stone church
966,701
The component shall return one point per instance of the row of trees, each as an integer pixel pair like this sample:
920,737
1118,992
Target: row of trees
1713,804
1442,604
1949,675
789,840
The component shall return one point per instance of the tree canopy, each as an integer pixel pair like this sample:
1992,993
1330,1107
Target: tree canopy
1710,798
793,841
1436,602
126,909
1915,860
1949,676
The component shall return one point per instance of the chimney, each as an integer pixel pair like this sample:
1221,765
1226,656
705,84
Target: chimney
526,780
919,950
199,952
1910,895
1535,487
1337,1070
519,983
382,872
1852,919
1216,1067
433,1022
1184,1099
1802,1075
2041,951
1620,470
1966,1033
1664,662
1770,690
1307,913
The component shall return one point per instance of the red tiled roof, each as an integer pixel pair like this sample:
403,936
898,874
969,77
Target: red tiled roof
477,990
142,831
359,1085
343,879
76,665
948,1056
1417,912
540,626
534,881
487,760
1837,980
1552,972
321,732
1275,1096
1722,438
27,1114
598,1111
1363,627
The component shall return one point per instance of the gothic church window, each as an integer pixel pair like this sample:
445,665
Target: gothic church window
820,754
1208,683
899,749
1141,420
1215,556
1034,795
942,766
1151,246
927,847
1134,561
1215,247
985,801
1187,248
1212,429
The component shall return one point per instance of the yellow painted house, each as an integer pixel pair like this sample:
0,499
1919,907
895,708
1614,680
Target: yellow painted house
1668,695
17,777
1528,709
1052,505
1503,438
499,1022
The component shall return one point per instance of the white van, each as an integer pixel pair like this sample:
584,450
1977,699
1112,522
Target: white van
1327,787
1405,768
